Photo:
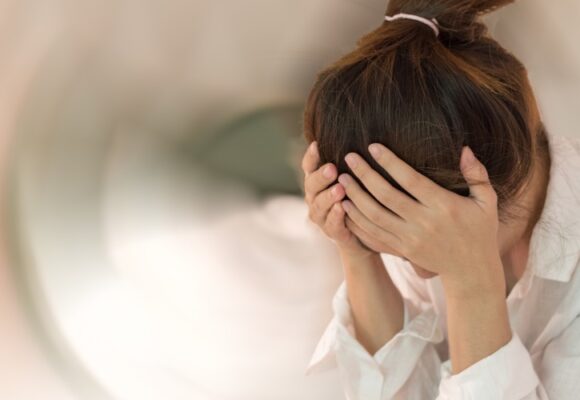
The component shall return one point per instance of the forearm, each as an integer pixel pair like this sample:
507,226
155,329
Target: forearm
376,304
477,322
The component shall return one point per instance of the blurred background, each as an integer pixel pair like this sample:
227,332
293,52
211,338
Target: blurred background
155,242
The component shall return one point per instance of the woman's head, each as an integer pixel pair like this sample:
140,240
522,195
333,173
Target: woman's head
425,96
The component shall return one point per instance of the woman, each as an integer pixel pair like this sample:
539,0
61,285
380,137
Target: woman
456,215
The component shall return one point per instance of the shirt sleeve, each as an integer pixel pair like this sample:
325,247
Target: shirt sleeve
506,374
405,367
509,374
408,366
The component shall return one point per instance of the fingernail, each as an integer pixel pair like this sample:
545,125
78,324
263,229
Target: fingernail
346,205
469,156
375,150
313,147
335,191
351,160
344,180
327,172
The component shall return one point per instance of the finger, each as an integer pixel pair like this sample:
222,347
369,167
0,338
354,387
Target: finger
335,225
310,159
324,201
369,207
364,237
422,188
381,189
381,235
319,180
476,176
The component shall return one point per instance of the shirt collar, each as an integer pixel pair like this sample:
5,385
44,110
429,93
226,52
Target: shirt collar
555,242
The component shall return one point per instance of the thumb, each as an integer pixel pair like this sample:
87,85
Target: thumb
476,176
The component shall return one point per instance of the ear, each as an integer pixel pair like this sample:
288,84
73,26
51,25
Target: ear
476,176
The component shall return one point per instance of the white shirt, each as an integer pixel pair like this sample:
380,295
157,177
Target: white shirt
542,360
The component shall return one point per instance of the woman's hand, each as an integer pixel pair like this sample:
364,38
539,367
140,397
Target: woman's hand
444,233
325,209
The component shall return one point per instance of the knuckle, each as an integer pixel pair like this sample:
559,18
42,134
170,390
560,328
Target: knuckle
314,214
448,210
412,180
411,245
386,194
333,215
429,228
363,173
316,208
377,217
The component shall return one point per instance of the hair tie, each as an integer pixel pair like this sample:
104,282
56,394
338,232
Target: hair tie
433,24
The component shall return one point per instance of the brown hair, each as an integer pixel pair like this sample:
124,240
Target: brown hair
424,97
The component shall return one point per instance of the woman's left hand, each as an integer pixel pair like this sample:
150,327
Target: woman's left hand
445,233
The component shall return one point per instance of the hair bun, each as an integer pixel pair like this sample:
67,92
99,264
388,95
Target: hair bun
458,19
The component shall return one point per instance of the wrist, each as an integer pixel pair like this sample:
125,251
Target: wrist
365,264
487,280
467,318
358,256
354,248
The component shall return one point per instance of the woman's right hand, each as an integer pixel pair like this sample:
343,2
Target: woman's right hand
325,208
